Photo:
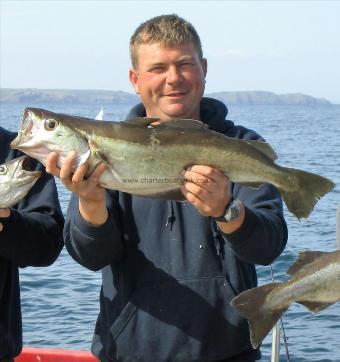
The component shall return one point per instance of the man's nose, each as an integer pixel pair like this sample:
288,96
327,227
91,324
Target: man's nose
174,75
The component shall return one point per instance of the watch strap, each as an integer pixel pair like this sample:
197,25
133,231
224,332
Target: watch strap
222,217
231,212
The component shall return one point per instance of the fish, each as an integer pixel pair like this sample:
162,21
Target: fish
16,179
314,283
149,161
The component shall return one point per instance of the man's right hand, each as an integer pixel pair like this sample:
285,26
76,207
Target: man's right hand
92,205
5,212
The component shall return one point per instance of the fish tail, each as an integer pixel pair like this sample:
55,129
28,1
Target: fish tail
252,305
307,191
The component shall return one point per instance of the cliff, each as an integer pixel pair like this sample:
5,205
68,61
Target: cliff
102,97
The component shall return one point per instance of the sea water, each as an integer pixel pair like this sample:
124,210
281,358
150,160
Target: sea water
60,303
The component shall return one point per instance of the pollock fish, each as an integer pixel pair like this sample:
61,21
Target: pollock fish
148,161
315,283
16,180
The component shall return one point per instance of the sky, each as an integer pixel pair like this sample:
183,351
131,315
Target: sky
276,46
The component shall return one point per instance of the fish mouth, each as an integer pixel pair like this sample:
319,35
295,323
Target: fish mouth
24,169
28,140
25,132
26,164
27,122
18,181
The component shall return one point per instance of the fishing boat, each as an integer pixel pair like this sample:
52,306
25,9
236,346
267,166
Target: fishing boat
30,354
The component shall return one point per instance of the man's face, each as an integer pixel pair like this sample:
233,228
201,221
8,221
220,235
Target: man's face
169,81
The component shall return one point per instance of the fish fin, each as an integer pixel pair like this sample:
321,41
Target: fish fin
263,147
314,306
141,121
97,154
100,156
252,304
309,189
95,151
95,157
305,258
186,124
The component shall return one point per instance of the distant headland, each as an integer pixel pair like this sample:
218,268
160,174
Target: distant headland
103,97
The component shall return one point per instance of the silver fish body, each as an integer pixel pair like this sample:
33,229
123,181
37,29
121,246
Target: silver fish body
149,161
315,283
15,181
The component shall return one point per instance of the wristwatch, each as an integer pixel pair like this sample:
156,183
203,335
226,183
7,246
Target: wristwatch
231,212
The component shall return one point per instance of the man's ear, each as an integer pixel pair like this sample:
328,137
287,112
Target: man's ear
204,63
133,76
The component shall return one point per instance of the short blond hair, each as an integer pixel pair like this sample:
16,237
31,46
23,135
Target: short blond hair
169,30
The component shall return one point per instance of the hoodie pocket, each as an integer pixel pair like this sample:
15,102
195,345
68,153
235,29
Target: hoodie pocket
123,319
183,320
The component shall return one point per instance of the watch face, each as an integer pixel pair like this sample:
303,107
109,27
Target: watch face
233,211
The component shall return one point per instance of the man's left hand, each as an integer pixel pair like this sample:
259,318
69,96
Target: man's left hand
207,189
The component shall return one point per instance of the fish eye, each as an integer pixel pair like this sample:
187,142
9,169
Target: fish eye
50,124
3,169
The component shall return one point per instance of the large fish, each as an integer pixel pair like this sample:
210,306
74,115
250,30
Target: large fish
149,161
315,283
16,180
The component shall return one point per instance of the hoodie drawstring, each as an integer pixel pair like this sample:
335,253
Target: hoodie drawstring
171,215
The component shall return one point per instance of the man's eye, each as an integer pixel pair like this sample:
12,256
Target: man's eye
186,65
157,69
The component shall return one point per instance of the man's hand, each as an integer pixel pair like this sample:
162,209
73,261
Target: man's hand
92,205
5,212
208,190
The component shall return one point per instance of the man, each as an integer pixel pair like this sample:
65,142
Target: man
170,269
30,235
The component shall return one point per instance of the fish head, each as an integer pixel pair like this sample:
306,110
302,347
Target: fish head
42,132
16,179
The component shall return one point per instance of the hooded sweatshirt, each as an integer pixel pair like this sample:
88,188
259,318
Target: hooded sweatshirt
31,236
169,273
